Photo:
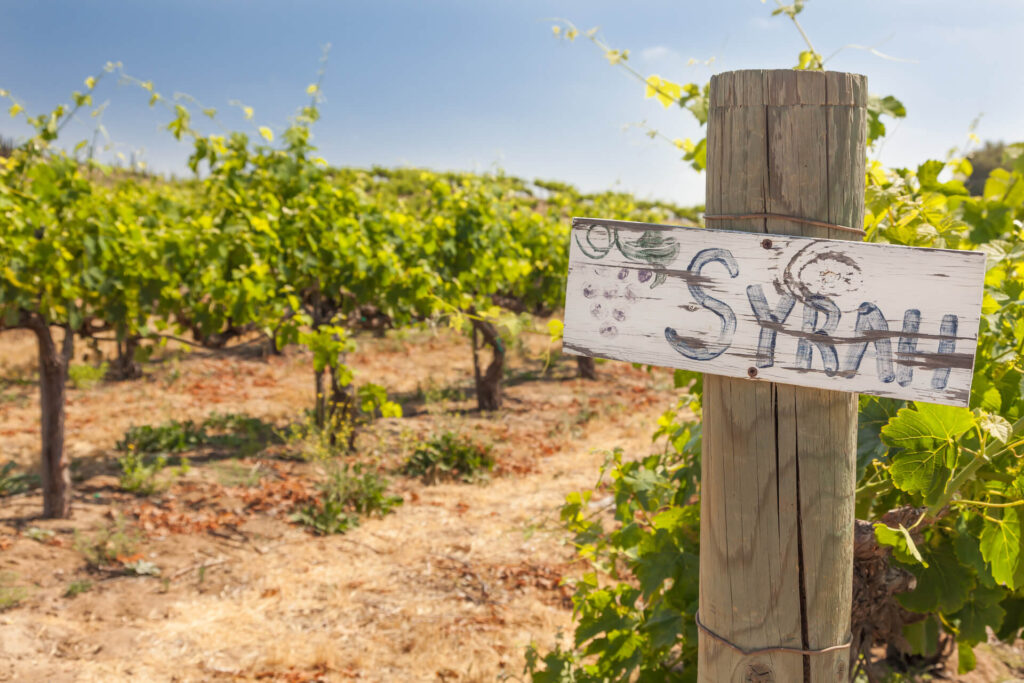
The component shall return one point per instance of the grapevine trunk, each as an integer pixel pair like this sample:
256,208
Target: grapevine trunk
125,366
53,373
586,367
488,383
335,406
341,410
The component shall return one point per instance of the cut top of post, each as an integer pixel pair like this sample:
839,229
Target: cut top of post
788,87
787,143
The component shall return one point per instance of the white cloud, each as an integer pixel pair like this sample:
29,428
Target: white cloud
667,59
659,53
767,23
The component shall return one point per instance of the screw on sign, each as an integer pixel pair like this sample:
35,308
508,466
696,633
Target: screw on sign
788,329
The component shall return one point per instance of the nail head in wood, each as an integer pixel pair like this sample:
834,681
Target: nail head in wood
766,243
752,372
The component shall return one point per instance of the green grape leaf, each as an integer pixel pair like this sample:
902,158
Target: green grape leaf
876,107
942,586
1013,621
926,437
671,518
966,659
619,646
981,611
390,409
968,549
601,616
903,546
985,395
875,412
995,426
922,636
652,568
1001,547
555,329
928,175
664,626
790,10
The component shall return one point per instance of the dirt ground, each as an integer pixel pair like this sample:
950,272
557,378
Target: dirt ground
450,587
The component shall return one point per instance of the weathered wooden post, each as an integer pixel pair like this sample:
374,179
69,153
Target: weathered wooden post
778,461
788,324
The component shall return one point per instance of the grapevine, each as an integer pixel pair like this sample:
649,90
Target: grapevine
939,491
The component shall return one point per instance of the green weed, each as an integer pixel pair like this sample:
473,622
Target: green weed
450,456
140,473
15,398
169,437
10,595
76,588
312,443
433,393
174,374
234,473
40,535
107,546
21,374
141,568
240,432
12,482
87,376
246,434
573,425
348,494
372,400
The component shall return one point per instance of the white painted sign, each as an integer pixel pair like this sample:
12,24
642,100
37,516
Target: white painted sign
847,316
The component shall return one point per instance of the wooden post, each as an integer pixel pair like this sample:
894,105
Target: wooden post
778,463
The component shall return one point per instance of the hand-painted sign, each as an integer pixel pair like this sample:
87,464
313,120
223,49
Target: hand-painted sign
847,316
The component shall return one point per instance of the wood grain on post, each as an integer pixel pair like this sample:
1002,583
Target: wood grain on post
778,462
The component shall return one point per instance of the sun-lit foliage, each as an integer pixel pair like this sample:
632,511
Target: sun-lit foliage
960,468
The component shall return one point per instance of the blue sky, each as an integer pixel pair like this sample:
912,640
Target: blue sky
483,84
